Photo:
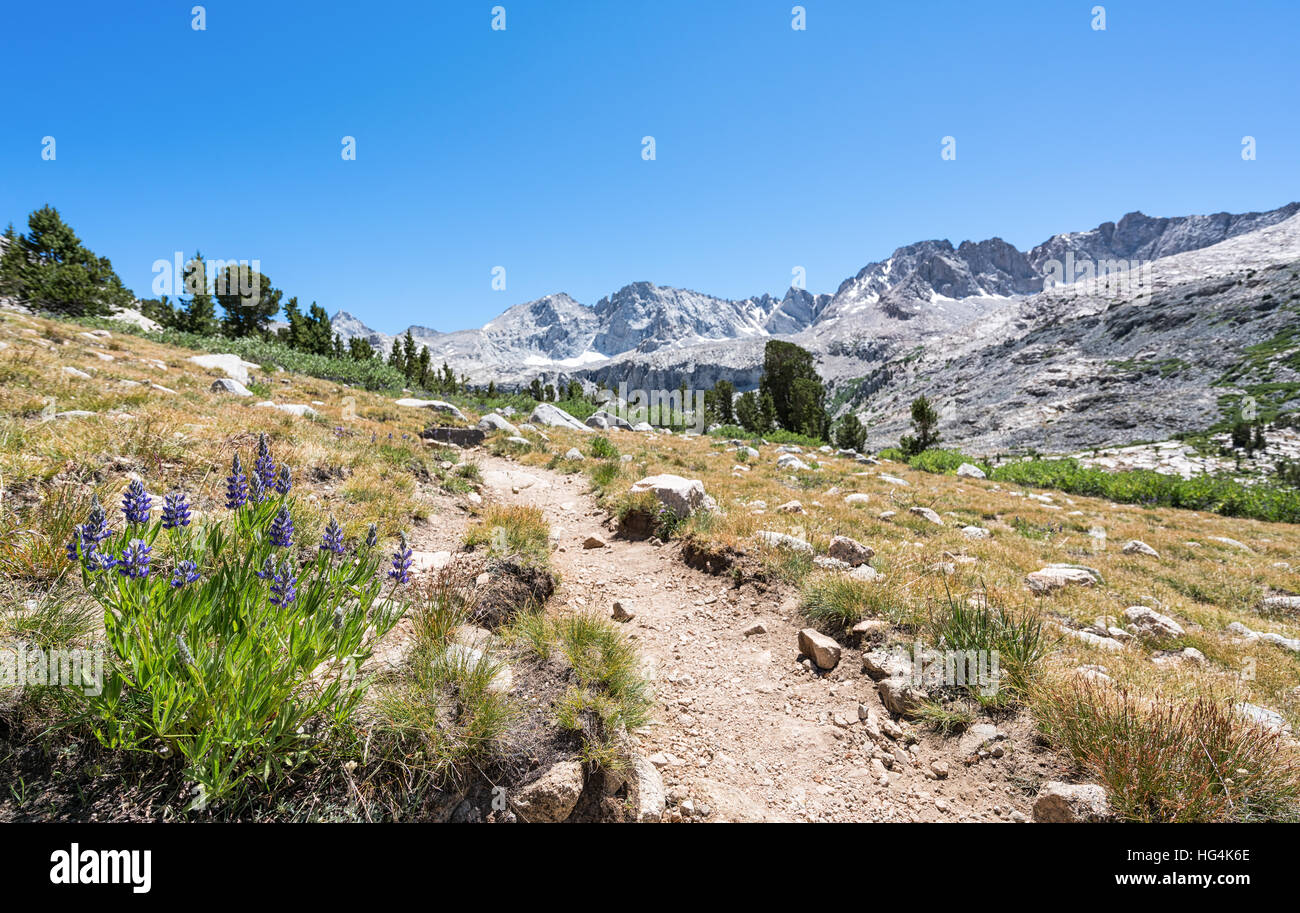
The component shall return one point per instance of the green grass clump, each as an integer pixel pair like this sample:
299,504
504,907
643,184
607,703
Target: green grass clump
1172,760
519,530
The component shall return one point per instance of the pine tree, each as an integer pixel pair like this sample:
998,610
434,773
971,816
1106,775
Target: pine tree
749,413
200,312
247,298
424,363
924,421
410,358
851,435
797,395
396,359
51,269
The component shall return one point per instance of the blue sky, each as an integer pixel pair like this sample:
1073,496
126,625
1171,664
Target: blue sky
775,148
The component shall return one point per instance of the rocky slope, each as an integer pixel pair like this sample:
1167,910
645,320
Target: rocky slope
1017,358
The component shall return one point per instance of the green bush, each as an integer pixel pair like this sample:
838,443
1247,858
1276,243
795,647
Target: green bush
943,461
1219,494
602,448
225,649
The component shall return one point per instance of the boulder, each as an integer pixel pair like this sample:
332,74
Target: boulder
856,498
850,551
1262,716
1151,623
436,405
790,507
1065,803
791,463
1055,577
231,365
781,540
680,495
975,532
233,387
573,453
553,416
493,422
551,797
448,434
822,650
969,471
900,696
598,422
300,410
927,514
611,420
1138,547
1282,603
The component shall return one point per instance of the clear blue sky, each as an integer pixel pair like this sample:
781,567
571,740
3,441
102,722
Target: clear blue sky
522,148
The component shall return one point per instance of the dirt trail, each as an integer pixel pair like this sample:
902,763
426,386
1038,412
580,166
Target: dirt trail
742,730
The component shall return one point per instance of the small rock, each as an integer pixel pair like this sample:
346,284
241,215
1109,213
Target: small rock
1069,803
1151,623
622,612
553,796
823,650
927,514
1138,547
850,551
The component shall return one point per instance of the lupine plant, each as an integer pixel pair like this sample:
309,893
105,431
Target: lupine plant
227,649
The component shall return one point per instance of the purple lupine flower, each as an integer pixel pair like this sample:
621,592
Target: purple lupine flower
82,547
100,561
134,562
186,572
332,541
281,531
401,571
264,468
268,569
176,510
283,591
284,481
136,503
256,490
236,486
96,526
372,536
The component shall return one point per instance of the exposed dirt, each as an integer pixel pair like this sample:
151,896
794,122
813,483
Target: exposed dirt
743,730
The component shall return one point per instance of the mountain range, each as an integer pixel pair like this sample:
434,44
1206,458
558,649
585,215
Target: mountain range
1018,347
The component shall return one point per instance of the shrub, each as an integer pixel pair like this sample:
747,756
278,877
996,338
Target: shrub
1219,494
602,448
226,649
943,461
